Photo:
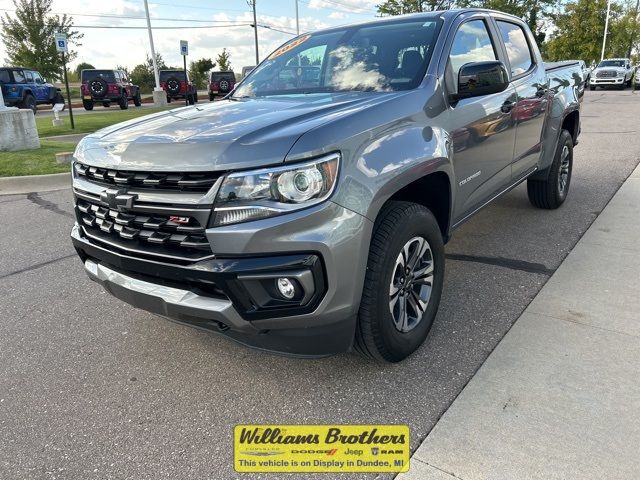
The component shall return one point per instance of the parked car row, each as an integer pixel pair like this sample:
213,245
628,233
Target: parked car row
616,72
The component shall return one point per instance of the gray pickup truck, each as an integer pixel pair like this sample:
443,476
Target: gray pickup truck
306,212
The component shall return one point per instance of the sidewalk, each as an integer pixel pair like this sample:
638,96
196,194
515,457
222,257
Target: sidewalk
559,397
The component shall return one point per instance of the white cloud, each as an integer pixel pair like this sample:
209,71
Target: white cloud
337,15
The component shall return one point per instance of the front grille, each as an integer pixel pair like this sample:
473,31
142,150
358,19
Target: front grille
193,182
173,237
606,74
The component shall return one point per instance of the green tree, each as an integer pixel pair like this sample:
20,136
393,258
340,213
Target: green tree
580,29
28,37
399,7
83,66
534,12
143,75
199,71
223,60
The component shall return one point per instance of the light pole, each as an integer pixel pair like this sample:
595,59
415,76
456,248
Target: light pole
252,4
606,28
297,20
159,97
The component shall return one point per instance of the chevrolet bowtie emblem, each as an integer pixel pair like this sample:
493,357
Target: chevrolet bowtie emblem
118,199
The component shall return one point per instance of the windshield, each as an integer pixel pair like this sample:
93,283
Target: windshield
382,57
611,63
167,74
107,75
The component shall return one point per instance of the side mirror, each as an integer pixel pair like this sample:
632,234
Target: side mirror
481,78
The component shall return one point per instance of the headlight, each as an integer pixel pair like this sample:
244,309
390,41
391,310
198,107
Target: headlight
257,194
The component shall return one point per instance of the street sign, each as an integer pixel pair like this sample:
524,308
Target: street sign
61,42
184,47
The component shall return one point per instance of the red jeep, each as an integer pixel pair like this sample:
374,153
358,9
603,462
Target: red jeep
177,85
106,86
221,84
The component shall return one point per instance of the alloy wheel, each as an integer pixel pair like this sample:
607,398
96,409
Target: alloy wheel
411,284
565,162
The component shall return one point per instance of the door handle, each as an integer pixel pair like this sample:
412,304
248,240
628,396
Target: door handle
507,106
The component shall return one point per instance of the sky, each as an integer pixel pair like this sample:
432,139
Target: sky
111,47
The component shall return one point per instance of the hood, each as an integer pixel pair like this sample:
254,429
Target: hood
223,135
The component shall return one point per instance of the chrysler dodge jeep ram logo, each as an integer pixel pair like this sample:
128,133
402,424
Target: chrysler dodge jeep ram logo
118,199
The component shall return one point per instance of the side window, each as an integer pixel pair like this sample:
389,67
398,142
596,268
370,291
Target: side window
116,74
303,70
28,76
37,78
518,51
18,76
472,43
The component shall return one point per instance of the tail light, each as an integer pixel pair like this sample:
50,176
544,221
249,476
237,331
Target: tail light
113,88
163,84
215,85
84,89
183,87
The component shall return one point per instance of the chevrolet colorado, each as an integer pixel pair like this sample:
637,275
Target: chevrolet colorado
306,213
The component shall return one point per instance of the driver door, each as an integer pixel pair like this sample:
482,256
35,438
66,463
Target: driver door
482,129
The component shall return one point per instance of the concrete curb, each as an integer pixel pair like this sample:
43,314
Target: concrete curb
34,183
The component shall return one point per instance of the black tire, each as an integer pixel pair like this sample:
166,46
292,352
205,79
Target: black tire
169,99
195,97
190,100
592,88
88,105
551,193
173,86
106,104
29,102
377,335
123,101
137,100
98,87
58,99
212,97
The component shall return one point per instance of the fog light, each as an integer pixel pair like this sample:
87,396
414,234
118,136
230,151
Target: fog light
286,288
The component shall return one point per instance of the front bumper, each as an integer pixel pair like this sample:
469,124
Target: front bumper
325,325
606,81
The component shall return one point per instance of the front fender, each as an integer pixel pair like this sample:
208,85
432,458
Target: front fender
382,167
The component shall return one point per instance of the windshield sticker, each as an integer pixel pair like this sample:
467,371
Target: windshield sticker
289,46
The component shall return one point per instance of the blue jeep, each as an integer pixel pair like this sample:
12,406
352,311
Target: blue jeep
25,88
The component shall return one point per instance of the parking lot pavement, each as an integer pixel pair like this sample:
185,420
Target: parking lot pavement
558,396
92,388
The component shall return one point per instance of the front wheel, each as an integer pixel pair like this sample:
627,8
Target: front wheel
106,104
137,100
592,88
403,283
552,192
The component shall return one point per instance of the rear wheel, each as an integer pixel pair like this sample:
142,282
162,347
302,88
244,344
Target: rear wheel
552,192
403,282
212,97
29,102
190,100
123,101
87,104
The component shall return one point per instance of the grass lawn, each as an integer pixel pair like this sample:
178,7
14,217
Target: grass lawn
89,123
35,162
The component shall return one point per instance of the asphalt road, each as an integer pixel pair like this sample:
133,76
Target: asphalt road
92,388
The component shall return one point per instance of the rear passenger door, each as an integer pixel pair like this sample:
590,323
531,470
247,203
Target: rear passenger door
482,131
529,78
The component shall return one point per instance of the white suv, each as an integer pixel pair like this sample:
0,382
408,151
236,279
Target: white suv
613,71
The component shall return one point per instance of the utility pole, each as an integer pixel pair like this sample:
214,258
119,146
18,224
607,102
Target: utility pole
252,4
606,28
159,97
635,28
298,19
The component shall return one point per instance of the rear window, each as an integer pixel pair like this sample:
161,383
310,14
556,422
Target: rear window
167,74
216,77
107,75
4,76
